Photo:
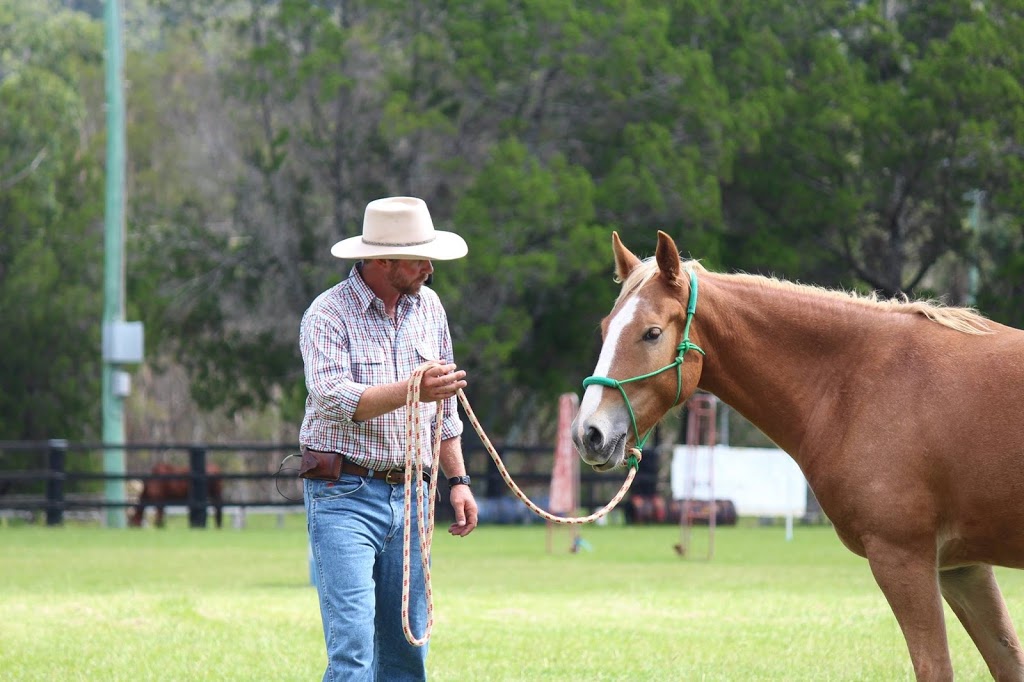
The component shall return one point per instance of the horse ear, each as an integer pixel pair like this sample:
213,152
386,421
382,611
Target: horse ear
625,261
667,256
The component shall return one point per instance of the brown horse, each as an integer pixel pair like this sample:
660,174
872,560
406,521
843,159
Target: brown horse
904,417
159,492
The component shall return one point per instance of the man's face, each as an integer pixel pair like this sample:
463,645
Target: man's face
407,276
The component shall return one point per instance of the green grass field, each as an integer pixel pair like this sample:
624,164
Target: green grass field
84,603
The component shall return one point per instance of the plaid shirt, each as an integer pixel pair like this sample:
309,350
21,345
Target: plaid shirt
348,343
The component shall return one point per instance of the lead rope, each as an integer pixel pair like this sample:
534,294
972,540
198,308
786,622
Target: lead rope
633,462
414,461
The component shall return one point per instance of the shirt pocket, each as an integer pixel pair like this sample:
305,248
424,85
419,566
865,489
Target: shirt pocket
427,351
369,367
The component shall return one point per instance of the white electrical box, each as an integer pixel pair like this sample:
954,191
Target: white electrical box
123,342
121,383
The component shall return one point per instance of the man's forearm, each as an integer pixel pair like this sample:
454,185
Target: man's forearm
451,457
439,382
378,400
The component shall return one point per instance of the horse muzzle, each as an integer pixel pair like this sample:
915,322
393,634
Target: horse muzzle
598,449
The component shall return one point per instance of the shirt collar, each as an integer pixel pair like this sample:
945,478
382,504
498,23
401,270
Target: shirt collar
365,296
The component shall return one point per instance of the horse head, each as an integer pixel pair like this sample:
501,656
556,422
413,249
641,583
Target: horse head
648,363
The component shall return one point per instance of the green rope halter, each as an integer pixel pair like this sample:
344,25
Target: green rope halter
682,348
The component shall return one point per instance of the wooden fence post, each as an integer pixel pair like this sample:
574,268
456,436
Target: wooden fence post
57,458
198,497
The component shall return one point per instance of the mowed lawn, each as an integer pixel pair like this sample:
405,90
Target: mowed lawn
84,603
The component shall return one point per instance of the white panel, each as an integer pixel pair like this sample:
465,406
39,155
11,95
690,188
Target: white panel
123,342
759,481
121,383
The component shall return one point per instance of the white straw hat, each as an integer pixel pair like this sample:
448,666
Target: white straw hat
400,227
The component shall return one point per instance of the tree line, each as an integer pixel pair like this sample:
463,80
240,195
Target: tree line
865,145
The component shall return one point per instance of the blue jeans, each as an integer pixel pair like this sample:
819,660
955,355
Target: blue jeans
355,531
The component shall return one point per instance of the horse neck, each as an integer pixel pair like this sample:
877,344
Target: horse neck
775,354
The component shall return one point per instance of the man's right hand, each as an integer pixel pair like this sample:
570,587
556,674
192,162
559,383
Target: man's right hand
441,382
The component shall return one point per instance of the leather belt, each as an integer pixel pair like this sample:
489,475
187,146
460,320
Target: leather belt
392,476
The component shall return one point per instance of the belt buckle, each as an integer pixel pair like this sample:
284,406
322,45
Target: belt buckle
394,476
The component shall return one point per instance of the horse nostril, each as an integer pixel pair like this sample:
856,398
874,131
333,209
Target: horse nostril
595,439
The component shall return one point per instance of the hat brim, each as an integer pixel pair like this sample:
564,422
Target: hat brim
444,246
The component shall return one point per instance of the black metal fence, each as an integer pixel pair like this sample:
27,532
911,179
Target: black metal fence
57,476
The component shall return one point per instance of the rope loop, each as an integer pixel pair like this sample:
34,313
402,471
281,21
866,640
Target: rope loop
547,516
414,465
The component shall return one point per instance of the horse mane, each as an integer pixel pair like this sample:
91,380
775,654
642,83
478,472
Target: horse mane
966,320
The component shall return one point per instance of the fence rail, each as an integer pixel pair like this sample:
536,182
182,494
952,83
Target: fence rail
530,466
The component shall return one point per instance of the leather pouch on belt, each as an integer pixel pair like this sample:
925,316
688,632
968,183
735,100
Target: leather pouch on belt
324,466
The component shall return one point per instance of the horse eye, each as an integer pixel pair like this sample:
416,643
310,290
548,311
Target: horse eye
652,333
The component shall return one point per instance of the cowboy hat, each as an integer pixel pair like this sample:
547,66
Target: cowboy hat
400,227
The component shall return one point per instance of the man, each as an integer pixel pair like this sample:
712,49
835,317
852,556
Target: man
360,342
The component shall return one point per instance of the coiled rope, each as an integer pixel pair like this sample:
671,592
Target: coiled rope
414,465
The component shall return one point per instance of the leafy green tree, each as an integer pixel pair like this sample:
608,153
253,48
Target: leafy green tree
903,109
606,86
51,238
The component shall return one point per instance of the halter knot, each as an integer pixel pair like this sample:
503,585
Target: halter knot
688,345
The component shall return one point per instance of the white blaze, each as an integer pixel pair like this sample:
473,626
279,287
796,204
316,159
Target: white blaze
592,396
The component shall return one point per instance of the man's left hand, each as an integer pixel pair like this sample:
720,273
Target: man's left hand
464,505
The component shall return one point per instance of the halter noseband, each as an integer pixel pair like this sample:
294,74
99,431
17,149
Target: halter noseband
684,346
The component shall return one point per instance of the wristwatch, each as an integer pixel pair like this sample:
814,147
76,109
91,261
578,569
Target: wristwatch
458,480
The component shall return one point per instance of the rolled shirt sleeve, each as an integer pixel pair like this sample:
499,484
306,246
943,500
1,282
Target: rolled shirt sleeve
451,424
328,369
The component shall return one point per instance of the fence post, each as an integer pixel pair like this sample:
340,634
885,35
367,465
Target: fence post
57,458
198,490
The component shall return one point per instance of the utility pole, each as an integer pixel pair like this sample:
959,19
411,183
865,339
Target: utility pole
122,341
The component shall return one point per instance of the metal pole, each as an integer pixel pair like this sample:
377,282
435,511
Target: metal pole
55,483
198,493
113,279
976,197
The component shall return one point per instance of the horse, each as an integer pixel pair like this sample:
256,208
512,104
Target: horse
170,489
902,414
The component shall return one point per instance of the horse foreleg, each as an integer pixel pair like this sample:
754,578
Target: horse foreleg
974,596
218,511
159,516
908,578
